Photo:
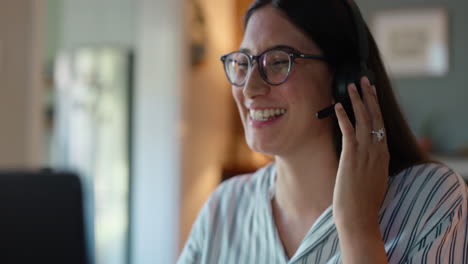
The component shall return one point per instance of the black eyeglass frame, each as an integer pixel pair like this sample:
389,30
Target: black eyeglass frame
293,55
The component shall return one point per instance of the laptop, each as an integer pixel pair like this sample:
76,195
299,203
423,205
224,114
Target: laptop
41,218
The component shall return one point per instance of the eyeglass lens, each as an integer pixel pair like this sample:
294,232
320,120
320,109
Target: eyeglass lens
274,67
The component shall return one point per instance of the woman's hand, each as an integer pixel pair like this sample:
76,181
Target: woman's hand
361,181
363,169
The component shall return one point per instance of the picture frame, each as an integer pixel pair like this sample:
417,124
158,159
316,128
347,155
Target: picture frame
413,42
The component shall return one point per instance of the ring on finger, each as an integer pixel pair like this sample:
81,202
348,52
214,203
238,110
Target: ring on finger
379,133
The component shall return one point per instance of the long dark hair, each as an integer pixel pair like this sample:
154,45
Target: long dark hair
330,25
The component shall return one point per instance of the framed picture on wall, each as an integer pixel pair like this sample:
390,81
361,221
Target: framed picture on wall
413,42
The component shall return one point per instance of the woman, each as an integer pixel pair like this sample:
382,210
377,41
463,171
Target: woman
335,193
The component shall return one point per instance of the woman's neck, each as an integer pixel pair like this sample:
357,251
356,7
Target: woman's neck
306,179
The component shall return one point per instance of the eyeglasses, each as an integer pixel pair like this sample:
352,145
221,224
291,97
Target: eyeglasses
274,65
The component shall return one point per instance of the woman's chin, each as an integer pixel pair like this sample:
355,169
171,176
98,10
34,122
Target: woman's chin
269,148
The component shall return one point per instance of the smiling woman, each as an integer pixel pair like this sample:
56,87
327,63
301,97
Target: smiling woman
352,187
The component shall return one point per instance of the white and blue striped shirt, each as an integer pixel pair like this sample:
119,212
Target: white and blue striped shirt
423,219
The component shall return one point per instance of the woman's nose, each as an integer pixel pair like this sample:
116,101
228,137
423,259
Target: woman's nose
255,85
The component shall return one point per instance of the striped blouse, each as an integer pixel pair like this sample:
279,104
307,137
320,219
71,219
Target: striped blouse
423,219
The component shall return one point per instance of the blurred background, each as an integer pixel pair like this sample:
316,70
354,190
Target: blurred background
131,95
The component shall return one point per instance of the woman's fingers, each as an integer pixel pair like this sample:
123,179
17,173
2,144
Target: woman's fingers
371,102
367,112
363,121
346,127
368,98
372,105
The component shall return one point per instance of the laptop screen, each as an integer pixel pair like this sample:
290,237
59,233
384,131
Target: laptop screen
41,218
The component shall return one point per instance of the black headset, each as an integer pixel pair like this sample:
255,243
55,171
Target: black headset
349,72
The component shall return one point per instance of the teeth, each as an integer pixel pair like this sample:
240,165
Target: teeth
263,115
258,115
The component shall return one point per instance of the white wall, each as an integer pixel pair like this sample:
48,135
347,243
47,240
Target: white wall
88,22
156,176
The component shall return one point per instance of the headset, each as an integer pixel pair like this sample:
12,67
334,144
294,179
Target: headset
349,72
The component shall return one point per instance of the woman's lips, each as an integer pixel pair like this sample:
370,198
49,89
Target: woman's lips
263,123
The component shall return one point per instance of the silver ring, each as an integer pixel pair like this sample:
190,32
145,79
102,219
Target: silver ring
380,134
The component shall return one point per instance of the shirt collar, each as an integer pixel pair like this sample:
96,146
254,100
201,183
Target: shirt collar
323,227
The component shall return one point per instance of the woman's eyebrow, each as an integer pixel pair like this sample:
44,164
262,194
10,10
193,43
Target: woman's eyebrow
246,50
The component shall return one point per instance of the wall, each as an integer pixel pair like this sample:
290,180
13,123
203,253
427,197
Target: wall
206,113
54,31
20,86
444,98
156,175
88,22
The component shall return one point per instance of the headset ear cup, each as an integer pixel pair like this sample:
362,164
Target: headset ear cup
343,77
370,75
339,87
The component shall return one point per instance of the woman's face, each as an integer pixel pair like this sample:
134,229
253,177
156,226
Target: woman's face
306,91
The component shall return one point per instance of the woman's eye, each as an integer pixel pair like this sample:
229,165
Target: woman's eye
243,65
279,66
280,62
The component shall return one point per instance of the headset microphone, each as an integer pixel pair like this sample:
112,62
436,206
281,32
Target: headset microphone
325,112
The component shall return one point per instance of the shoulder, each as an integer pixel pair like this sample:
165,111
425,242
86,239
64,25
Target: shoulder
425,205
227,203
222,208
424,195
428,180
234,195
245,186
